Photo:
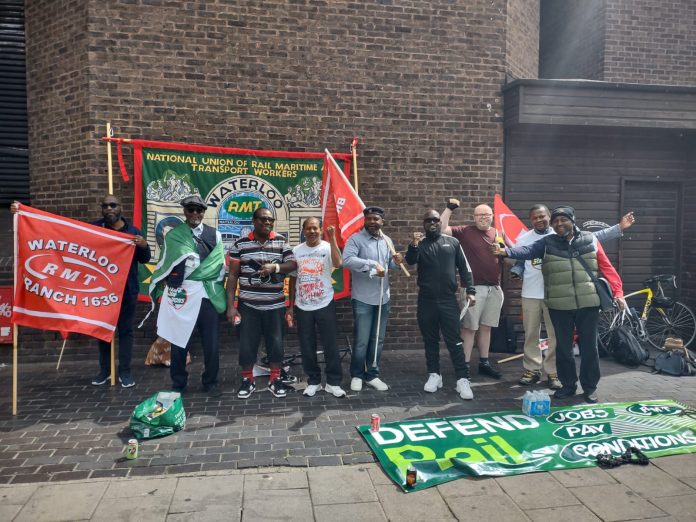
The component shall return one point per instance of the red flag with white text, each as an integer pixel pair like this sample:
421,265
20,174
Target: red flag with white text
506,222
69,276
340,204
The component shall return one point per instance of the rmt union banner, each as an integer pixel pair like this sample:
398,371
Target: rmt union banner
510,443
233,183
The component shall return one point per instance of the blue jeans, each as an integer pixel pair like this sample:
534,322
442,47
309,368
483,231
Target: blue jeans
364,335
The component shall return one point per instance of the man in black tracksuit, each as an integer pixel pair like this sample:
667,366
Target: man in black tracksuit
439,258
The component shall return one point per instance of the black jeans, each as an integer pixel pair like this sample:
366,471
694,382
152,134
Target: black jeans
324,320
255,323
124,327
208,322
441,315
584,320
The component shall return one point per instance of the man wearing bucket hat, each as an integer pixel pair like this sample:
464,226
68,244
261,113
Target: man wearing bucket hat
368,256
192,266
571,296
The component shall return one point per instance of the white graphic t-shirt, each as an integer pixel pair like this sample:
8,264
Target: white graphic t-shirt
314,289
533,281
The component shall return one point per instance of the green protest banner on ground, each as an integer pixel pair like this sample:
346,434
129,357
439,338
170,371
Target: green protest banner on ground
510,443
233,183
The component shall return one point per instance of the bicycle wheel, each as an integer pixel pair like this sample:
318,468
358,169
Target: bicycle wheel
676,321
606,319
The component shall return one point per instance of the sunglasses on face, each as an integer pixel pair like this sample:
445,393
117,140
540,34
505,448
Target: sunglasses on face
110,205
431,220
194,210
266,219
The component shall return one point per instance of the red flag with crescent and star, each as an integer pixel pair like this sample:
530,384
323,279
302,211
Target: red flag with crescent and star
506,222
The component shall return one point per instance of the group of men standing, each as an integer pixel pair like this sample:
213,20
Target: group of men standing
460,296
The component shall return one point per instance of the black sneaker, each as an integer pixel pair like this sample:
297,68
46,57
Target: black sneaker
287,377
101,378
564,393
487,369
278,389
213,390
126,380
246,389
590,397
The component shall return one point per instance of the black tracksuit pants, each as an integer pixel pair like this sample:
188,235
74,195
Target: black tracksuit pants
441,315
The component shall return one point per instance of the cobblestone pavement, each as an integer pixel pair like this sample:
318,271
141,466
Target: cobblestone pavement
68,429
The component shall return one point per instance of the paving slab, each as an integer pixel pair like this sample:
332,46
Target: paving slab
369,511
536,490
16,494
53,503
616,502
571,478
486,508
467,487
340,485
680,466
124,509
426,504
213,493
562,514
141,488
270,504
9,511
274,480
682,507
650,481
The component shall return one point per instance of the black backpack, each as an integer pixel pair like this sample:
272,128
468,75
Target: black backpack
673,363
625,347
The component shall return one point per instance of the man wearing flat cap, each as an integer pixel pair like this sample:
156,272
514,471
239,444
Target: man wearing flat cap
571,296
192,266
367,254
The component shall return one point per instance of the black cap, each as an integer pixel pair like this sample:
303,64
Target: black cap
190,201
374,210
566,211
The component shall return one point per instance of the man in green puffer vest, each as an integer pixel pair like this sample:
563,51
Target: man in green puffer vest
571,296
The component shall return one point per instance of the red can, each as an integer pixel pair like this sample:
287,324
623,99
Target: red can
374,422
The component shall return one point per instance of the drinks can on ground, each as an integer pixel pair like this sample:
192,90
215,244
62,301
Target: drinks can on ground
374,422
132,449
411,477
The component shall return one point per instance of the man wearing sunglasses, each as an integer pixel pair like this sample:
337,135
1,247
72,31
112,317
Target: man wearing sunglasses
439,259
192,264
259,262
114,220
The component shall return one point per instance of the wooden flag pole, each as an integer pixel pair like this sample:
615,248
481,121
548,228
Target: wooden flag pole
110,167
14,369
61,354
354,151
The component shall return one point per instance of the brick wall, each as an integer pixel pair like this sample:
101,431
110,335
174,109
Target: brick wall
522,39
571,40
418,82
651,42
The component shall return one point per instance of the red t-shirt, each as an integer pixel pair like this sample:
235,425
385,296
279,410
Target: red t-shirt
485,267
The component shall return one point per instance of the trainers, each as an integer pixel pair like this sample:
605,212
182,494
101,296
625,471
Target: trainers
286,377
336,391
529,377
564,393
246,389
434,382
590,397
126,380
278,389
487,369
101,378
356,384
554,382
464,389
311,389
213,390
378,384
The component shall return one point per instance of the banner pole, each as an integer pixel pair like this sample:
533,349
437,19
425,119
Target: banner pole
354,151
61,354
15,331
110,166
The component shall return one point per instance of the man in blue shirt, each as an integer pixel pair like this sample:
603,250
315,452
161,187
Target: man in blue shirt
367,254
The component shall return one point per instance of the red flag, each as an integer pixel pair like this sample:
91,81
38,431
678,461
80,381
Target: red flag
506,222
340,204
69,276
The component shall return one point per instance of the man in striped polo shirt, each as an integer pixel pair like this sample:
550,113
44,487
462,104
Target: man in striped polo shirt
259,262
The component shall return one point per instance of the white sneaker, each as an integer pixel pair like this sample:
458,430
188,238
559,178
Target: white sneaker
434,382
464,390
336,391
356,384
378,385
311,389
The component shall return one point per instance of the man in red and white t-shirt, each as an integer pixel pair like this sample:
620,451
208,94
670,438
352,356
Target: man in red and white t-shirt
315,308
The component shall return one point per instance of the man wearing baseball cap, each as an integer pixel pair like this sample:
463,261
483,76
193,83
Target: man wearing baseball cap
571,296
367,254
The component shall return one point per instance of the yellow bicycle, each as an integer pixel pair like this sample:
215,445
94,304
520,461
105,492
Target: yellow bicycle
662,317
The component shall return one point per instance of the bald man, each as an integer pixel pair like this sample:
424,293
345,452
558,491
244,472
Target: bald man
475,240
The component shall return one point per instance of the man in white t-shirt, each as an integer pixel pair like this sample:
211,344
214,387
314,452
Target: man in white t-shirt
315,308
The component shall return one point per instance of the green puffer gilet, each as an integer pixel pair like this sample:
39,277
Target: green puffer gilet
566,283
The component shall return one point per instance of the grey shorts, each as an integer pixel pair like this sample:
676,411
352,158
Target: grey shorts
489,302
